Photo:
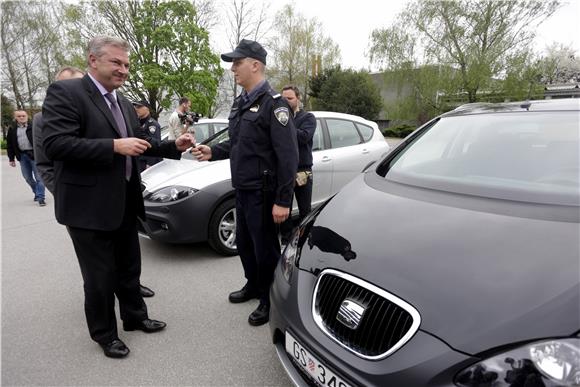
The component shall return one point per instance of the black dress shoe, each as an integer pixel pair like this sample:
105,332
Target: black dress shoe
244,294
260,316
145,291
147,326
115,348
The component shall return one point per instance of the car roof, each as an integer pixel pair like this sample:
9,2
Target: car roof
210,120
324,114
567,104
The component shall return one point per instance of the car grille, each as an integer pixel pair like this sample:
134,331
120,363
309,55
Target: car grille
387,322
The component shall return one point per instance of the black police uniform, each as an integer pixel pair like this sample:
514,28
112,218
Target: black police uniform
152,128
263,156
305,123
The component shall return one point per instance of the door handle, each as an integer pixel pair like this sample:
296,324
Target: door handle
326,159
365,151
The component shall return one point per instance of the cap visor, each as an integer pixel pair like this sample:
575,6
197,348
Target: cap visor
231,56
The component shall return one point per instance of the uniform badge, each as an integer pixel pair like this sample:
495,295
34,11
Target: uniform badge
282,115
254,108
152,129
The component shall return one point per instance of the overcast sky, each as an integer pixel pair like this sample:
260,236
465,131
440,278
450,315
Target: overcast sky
350,22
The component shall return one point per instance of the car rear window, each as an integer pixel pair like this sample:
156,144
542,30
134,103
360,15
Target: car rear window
530,156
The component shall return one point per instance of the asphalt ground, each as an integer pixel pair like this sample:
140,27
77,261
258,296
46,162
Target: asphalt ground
45,341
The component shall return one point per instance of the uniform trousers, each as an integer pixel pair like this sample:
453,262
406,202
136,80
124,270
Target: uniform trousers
110,263
257,239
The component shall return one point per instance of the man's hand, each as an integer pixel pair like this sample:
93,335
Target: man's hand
12,163
184,141
201,152
130,146
280,214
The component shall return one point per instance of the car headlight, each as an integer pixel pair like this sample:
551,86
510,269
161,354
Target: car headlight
545,363
289,256
170,194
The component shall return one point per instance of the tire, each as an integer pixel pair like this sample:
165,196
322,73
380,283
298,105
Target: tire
222,228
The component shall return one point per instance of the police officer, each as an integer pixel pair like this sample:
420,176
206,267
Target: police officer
150,125
263,154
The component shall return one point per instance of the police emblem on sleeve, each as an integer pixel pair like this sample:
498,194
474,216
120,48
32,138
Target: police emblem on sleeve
152,129
282,115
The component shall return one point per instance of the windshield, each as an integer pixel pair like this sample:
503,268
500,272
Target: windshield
530,156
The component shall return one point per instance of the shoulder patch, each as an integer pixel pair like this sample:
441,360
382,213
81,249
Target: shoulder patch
152,129
282,115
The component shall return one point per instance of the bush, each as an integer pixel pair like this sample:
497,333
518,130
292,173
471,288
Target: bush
3,144
400,131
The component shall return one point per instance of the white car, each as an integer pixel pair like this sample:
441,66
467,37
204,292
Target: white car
190,201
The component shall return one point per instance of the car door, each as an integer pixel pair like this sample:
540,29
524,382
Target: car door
349,153
322,165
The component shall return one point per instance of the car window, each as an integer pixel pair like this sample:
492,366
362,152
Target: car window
342,133
517,156
201,131
217,126
365,131
218,138
318,138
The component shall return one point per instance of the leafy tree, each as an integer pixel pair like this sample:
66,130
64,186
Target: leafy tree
170,53
297,44
472,43
560,64
7,114
347,91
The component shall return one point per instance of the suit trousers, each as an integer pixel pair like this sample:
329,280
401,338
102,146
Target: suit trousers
110,263
257,239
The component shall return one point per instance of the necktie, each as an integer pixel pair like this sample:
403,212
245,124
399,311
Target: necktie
118,116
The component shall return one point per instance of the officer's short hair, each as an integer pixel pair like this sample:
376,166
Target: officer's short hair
97,44
183,100
295,89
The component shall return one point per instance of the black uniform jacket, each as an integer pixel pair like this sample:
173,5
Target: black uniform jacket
12,147
305,123
262,147
90,184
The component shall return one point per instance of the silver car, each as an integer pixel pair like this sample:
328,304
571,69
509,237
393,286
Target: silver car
190,201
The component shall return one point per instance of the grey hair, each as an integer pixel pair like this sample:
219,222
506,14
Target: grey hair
97,44
69,69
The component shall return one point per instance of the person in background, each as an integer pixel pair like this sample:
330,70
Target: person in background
305,123
177,124
19,145
148,123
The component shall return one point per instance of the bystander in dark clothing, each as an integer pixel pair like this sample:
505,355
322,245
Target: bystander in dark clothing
19,145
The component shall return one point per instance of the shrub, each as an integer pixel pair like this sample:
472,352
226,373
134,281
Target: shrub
401,131
3,144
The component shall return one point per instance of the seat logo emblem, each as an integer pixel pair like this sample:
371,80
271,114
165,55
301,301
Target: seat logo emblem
350,314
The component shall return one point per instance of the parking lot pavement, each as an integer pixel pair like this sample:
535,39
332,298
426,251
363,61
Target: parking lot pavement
45,341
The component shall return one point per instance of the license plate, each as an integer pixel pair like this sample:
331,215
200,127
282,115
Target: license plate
313,367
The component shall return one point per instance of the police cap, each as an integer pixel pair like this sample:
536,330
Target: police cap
246,49
142,103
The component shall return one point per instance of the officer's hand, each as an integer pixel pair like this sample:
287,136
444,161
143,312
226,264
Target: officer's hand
130,146
12,163
184,141
201,152
280,214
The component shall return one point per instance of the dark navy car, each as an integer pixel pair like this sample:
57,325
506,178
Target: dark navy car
453,261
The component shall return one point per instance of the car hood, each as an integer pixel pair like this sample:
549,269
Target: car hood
478,277
185,172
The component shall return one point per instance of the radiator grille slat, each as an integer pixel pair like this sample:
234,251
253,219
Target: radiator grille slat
385,321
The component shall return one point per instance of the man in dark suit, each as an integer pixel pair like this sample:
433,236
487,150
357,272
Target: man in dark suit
92,134
44,165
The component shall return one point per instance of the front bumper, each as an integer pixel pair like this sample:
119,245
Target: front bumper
423,361
181,221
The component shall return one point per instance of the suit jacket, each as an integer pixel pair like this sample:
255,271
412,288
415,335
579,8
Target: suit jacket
12,147
79,129
44,165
